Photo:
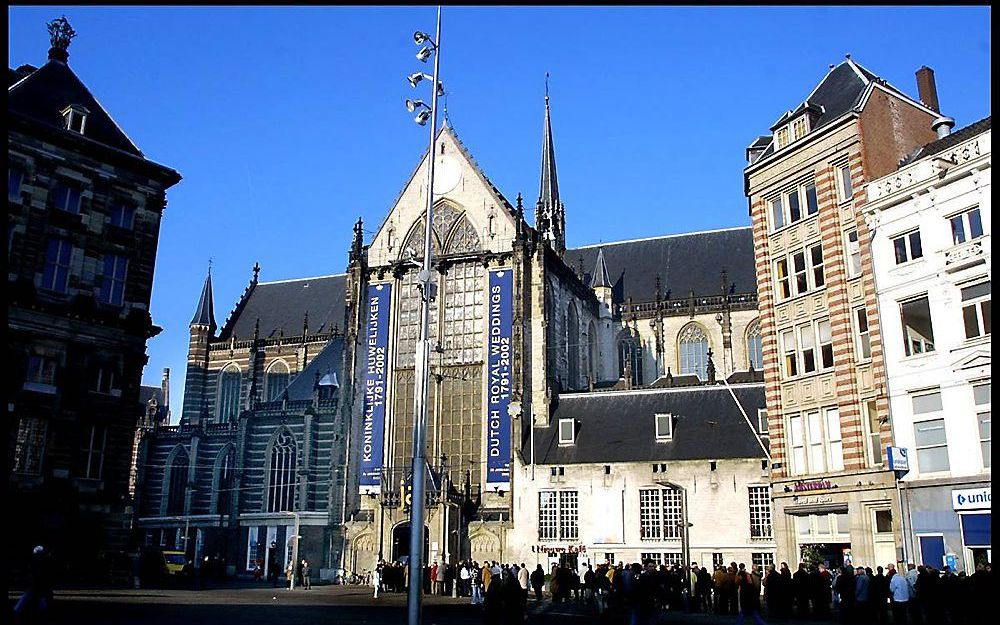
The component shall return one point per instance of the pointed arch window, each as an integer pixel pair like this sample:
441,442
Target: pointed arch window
281,473
693,351
276,380
224,474
572,346
177,483
229,393
592,352
755,347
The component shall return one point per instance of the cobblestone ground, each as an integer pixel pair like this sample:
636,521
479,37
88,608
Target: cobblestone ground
258,605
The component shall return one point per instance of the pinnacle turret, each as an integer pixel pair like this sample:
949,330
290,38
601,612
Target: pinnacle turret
205,313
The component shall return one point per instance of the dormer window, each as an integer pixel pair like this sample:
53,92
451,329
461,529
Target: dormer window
567,431
782,137
75,117
799,128
664,427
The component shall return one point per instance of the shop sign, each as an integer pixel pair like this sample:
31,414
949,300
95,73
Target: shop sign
801,486
898,459
814,499
546,549
972,498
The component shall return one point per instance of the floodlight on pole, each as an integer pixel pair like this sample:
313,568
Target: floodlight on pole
422,117
413,105
415,78
424,54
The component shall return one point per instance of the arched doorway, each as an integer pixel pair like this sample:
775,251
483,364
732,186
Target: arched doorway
401,542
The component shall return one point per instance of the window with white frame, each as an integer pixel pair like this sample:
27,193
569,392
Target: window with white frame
777,214
853,245
113,280
874,426
864,340
762,560
755,347
660,513
918,330
966,226
800,272
844,183
653,557
75,118
794,205
104,378
799,128
718,560
664,427
67,198
788,350
29,446
55,276
548,515
981,395
567,430
929,432
762,421
672,558
760,511
808,348
815,441
976,309
907,247
569,515
782,137
92,455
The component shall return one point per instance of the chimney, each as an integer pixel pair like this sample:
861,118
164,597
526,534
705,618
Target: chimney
165,387
942,126
927,89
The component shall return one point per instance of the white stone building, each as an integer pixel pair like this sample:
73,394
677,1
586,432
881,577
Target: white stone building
616,474
931,226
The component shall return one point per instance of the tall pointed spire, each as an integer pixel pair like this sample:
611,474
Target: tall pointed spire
549,216
601,277
205,313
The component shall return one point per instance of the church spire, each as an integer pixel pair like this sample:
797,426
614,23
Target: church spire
205,313
601,277
549,215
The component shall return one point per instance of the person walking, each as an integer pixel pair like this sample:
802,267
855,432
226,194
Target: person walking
306,575
475,584
377,578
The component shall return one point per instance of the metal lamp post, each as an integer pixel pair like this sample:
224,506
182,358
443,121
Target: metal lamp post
421,368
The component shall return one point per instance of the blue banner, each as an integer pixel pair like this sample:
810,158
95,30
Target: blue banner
376,338
499,345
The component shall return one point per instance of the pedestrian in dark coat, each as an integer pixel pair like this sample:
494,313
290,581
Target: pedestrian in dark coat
538,581
513,601
493,604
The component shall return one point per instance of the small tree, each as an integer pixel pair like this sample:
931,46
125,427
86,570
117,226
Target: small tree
812,555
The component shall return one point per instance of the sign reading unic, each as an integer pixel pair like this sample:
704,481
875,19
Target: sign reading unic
972,498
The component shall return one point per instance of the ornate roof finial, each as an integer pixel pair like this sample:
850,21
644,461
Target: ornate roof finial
546,88
209,265
305,324
60,34
256,272
358,244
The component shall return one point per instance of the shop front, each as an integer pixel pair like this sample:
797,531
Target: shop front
950,524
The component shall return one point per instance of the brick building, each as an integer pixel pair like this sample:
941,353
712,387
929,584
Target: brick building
826,397
84,211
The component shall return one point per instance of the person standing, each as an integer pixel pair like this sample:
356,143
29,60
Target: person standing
377,578
748,598
487,578
862,595
537,580
899,591
524,579
846,588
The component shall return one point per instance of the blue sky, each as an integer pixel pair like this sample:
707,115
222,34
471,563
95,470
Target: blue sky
288,123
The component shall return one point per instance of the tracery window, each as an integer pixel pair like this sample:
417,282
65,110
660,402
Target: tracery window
755,347
177,477
572,347
281,478
630,353
224,484
229,393
276,380
694,351
463,312
408,331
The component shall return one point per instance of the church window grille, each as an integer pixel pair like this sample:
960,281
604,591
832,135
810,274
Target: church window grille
177,483
281,482
694,351
229,393
572,347
463,312
276,380
225,481
755,347
630,352
592,355
30,447
408,331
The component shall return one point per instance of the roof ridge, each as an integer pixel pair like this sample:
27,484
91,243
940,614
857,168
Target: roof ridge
662,236
332,275
650,391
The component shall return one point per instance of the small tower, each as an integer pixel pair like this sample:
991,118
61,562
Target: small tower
601,283
202,330
550,215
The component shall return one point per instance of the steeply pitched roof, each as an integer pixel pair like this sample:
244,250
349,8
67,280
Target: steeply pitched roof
600,277
330,360
944,143
684,262
621,426
205,313
548,193
45,93
282,306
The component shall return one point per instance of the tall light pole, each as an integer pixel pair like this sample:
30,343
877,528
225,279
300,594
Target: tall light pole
422,368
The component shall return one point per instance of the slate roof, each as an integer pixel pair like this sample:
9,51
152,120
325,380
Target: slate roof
950,141
205,313
621,426
330,360
840,92
45,93
684,262
148,392
281,306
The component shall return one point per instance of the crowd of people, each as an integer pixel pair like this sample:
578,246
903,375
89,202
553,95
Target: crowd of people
636,594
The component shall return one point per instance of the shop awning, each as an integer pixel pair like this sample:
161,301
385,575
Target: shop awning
819,508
